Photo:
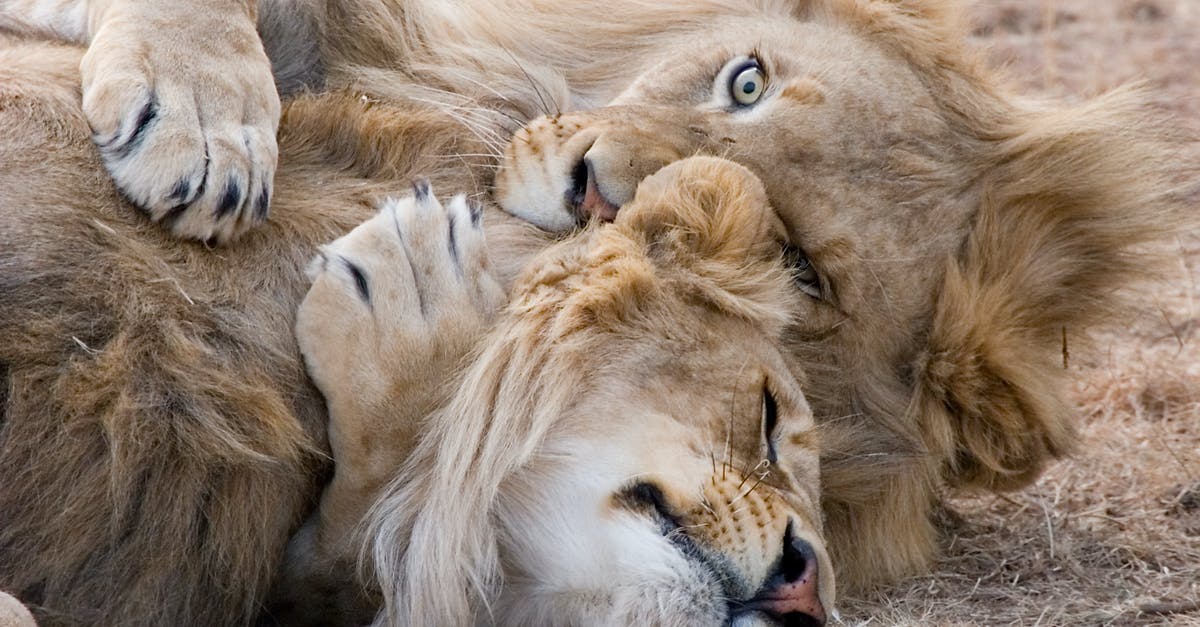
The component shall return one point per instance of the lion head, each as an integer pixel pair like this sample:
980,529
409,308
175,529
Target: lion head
631,446
945,236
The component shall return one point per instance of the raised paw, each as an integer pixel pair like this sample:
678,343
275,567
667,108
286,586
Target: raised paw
184,115
398,300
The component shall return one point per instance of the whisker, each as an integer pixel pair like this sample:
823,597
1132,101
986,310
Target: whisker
496,92
532,83
732,411
747,492
746,476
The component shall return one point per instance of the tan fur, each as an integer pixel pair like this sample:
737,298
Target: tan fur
951,223
651,340
155,408
394,306
160,431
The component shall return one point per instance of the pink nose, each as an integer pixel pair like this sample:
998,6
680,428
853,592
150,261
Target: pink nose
586,196
791,593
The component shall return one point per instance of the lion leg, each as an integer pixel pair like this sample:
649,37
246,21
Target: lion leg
180,100
394,307
154,453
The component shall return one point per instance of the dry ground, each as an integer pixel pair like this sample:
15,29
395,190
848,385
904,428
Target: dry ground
1111,536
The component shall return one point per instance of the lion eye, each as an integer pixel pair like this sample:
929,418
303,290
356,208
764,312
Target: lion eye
770,417
803,272
746,85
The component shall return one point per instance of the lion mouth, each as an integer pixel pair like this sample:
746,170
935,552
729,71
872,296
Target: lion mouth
584,196
750,616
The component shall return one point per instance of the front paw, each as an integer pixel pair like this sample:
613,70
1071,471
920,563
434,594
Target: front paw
396,302
184,113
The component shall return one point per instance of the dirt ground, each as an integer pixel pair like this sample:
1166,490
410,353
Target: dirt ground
1112,535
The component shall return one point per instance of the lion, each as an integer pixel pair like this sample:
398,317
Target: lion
947,237
714,518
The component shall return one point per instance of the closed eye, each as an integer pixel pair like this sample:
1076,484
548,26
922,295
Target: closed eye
804,274
360,280
770,419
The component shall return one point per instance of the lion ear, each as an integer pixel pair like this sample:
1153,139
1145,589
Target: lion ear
710,218
708,207
1060,232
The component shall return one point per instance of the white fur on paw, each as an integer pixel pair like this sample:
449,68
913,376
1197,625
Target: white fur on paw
190,141
397,301
416,260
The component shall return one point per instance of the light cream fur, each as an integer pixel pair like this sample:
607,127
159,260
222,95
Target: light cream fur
956,230
632,355
13,614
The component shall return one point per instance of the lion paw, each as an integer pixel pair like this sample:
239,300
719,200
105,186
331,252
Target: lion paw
399,299
187,134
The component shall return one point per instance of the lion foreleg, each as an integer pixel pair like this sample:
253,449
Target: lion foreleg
394,307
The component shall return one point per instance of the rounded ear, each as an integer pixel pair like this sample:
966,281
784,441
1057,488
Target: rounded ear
706,207
1073,198
707,221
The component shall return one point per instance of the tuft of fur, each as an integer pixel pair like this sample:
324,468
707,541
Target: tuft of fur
1068,209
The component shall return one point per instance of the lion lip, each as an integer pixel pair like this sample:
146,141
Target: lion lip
750,615
585,196
781,610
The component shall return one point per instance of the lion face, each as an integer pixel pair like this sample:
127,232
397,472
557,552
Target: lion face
842,132
684,494
631,446
934,225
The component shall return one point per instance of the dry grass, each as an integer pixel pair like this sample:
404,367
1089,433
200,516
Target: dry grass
1111,536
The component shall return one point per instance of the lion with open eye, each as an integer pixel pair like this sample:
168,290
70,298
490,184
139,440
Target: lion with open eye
945,238
629,445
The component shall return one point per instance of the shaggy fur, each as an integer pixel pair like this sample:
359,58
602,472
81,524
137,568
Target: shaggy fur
161,438
156,417
666,326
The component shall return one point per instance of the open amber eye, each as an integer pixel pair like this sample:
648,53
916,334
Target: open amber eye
747,84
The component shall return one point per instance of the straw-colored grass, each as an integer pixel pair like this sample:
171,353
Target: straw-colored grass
1112,535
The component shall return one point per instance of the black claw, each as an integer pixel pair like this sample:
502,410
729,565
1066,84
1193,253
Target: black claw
422,189
453,245
173,214
263,206
231,199
180,191
145,117
476,210
203,177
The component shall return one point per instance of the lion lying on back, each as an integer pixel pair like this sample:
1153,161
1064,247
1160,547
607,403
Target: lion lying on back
941,233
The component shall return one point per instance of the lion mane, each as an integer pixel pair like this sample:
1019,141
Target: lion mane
159,439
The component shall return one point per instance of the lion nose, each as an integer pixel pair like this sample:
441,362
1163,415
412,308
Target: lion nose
586,196
791,594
